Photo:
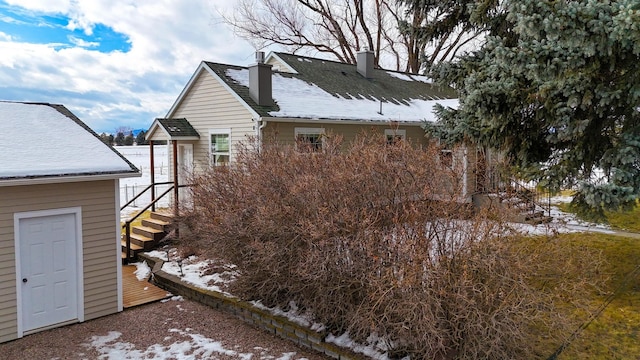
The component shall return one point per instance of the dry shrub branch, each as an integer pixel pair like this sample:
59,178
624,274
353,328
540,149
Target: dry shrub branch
370,239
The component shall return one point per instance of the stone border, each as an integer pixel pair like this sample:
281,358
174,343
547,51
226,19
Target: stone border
275,324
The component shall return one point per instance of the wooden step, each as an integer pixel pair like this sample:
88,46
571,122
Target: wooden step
145,242
135,248
164,216
149,232
156,224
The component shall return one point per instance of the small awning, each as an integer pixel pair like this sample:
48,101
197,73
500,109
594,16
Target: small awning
171,129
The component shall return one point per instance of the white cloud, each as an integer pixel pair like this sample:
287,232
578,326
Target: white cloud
168,40
82,43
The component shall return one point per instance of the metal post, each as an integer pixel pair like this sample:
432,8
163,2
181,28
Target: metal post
153,176
128,242
175,177
175,184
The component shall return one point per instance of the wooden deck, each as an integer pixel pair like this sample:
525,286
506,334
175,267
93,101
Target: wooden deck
137,292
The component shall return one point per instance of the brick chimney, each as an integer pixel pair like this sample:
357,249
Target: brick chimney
364,63
260,81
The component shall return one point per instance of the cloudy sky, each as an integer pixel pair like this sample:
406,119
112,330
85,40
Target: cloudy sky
111,62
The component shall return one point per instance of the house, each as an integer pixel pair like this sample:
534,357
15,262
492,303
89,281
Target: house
297,99
60,250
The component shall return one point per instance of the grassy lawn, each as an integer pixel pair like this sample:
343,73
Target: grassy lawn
621,220
615,333
138,221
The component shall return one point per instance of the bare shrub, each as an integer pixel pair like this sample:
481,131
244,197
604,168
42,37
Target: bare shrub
372,240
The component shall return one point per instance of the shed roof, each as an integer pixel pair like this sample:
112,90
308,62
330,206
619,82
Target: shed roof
174,129
325,89
41,140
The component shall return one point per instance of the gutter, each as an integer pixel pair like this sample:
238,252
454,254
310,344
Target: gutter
55,179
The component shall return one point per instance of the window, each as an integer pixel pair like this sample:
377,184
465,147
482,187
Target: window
394,135
309,139
220,140
446,156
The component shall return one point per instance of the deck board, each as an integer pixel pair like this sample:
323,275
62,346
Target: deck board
137,292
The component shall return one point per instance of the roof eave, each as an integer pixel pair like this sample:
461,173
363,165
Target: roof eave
343,121
55,179
183,138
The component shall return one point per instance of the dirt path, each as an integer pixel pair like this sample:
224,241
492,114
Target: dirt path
176,329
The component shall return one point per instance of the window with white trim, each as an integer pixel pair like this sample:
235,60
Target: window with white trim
309,139
395,135
220,146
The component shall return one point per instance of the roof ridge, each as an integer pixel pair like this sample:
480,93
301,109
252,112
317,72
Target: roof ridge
314,58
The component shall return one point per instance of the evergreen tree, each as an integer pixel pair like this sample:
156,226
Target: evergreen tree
106,138
140,140
128,140
119,140
558,90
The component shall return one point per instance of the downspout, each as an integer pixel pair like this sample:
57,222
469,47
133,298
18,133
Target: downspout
261,123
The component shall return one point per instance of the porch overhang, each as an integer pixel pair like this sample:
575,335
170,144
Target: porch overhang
172,130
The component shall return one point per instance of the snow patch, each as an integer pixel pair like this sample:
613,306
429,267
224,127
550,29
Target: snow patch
410,77
142,271
197,272
194,346
374,348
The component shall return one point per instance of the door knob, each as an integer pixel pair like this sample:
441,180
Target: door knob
24,280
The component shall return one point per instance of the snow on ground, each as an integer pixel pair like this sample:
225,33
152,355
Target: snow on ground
142,270
130,187
375,347
188,346
209,274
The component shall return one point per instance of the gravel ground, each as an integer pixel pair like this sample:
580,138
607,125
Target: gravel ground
175,329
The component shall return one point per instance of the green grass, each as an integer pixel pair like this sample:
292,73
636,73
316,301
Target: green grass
138,221
620,220
615,333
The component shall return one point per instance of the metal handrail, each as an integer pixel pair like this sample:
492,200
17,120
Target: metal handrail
536,197
144,191
127,224
497,181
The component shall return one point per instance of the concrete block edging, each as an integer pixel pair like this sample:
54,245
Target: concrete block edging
247,312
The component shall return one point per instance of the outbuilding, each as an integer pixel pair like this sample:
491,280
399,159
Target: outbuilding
60,256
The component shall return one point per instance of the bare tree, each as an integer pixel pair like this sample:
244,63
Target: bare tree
341,28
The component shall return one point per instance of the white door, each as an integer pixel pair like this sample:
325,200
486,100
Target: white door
185,167
185,162
48,270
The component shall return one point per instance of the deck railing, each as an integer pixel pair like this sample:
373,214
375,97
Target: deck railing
501,182
127,224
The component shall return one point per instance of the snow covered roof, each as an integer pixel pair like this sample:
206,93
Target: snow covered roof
321,89
40,140
174,129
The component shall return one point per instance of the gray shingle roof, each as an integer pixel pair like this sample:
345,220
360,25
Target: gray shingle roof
341,81
242,91
177,128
